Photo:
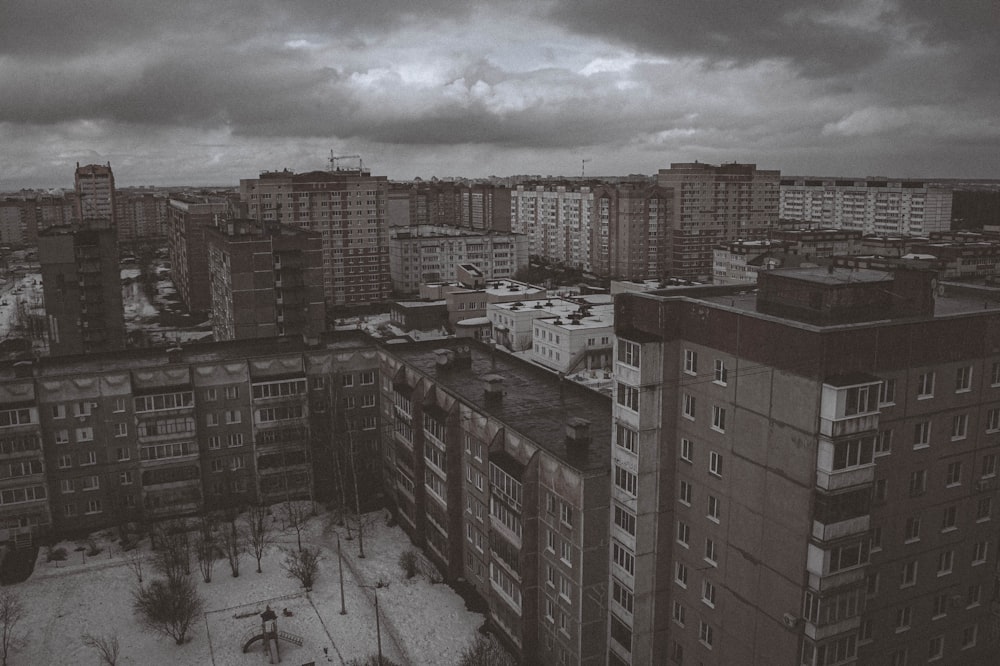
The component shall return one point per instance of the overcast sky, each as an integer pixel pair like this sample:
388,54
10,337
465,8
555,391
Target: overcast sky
214,91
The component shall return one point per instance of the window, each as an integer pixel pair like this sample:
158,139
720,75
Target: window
989,466
566,553
708,592
871,584
973,596
983,508
211,419
853,453
236,439
880,490
121,430
214,442
887,392
683,533
714,508
677,613
918,483
860,400
721,372
685,493
566,514
935,648
690,362
979,552
921,434
65,461
705,633
681,574
66,486
912,532
628,353
91,482
710,552
946,561
953,477
883,443
124,453
125,478
368,400
959,426
620,633
211,394
564,587
875,538
903,618
628,397
232,392
899,657
347,380
688,406
848,556
85,434
237,462
687,447
908,576
939,607
865,632
368,378
925,386
718,418
993,420
626,480
83,408
969,637
119,405
948,518
623,557
58,411
234,416
88,458
94,506
715,463
622,595
963,379
625,519
995,376
626,438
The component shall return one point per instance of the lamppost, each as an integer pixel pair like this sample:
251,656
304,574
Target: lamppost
378,623
340,567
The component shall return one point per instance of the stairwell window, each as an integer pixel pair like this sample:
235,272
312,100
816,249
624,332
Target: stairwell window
628,353
925,386
628,396
715,464
688,406
959,427
922,434
963,379
718,418
887,392
721,372
690,362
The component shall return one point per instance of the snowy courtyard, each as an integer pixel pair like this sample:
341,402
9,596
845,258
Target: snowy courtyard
422,622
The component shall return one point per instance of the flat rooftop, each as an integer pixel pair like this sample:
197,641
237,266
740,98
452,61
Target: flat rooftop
534,404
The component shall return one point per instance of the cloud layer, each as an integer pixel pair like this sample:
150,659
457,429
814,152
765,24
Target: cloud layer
198,92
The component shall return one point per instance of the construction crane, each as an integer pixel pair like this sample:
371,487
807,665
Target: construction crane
334,159
583,167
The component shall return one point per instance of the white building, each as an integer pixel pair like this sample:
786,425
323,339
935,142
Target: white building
874,206
579,340
429,253
513,322
739,262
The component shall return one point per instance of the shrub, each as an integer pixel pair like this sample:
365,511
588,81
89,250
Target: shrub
57,554
92,548
408,562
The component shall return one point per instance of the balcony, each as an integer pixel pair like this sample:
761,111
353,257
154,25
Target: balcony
831,531
848,425
823,632
845,478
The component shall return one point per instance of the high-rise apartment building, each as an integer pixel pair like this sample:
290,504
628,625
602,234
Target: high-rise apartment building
266,280
807,476
499,471
879,206
81,281
480,207
631,231
95,193
188,219
713,204
558,221
347,207
426,253
141,216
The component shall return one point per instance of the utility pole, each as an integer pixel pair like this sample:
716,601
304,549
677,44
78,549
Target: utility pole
357,498
583,167
378,624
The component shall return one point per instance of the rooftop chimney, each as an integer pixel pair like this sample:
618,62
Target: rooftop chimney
493,387
577,431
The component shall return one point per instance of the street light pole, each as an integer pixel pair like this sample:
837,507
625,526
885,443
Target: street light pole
378,625
340,564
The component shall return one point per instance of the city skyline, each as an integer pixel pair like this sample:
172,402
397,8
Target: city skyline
191,93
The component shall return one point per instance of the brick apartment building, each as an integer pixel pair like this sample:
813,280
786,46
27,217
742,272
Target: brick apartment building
806,475
90,442
500,472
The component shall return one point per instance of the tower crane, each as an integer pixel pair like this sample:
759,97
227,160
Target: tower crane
583,167
334,159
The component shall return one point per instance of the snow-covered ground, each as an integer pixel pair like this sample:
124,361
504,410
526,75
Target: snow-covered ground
421,622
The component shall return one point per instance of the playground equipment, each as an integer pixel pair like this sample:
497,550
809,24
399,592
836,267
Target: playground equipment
270,635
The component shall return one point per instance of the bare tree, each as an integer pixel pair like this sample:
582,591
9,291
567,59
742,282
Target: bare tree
173,559
232,544
206,549
303,565
133,560
296,514
258,531
11,614
486,651
168,607
107,647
